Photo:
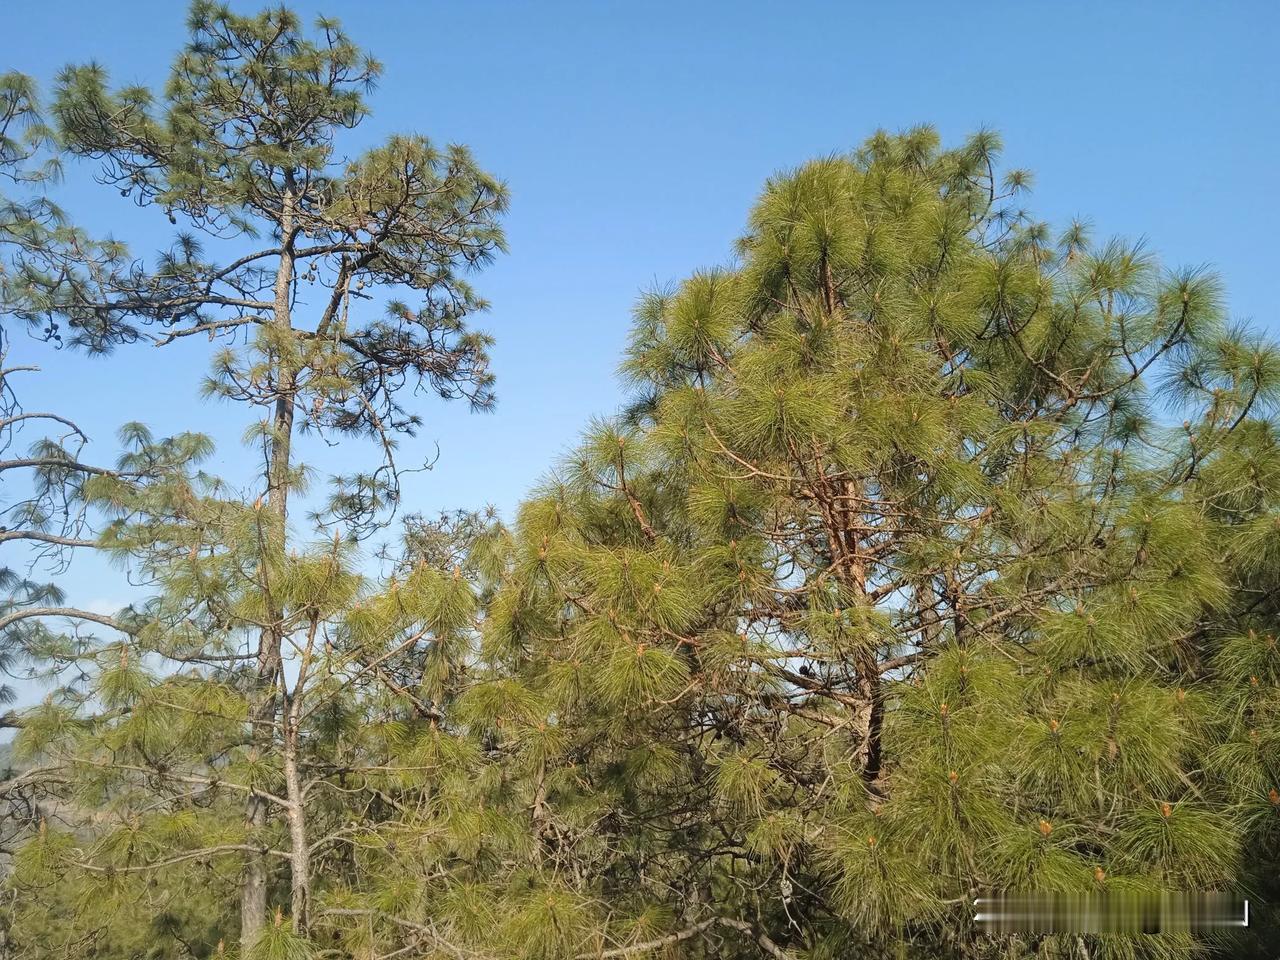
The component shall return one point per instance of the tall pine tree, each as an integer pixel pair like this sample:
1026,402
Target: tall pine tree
239,148
897,584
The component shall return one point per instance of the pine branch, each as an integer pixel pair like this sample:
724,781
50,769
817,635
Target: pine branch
221,849
40,536
70,613
672,938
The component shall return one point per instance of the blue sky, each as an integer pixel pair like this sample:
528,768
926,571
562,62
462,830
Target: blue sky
634,137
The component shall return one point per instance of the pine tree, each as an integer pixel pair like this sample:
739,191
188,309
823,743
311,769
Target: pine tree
896,584
240,145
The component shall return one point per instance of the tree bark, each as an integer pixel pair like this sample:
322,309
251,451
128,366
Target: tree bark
299,850
296,811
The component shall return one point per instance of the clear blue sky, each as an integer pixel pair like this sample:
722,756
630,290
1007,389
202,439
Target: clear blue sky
634,137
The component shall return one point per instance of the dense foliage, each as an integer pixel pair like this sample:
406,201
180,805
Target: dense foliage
935,554
896,585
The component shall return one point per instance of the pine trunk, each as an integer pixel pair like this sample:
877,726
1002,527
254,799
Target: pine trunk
253,890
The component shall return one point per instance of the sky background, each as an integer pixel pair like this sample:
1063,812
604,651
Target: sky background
634,137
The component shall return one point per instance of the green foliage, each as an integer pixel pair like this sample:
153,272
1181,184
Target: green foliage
275,707
897,579
894,584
